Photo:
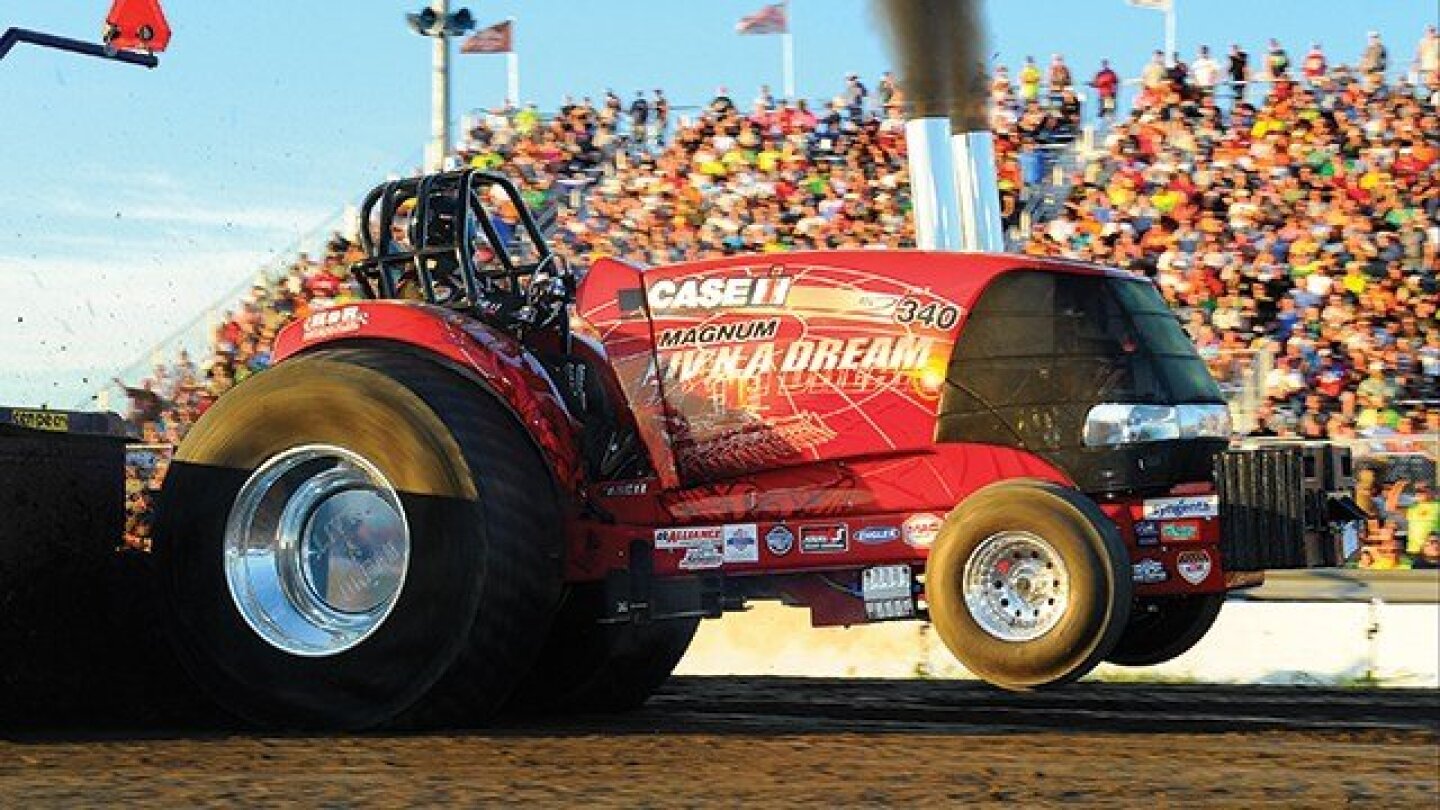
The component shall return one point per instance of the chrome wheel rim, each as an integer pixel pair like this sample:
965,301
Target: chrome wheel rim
1016,586
316,550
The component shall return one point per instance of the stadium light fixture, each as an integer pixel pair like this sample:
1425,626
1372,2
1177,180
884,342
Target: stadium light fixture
436,21
433,22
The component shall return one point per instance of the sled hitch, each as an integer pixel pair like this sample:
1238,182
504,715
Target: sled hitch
1283,504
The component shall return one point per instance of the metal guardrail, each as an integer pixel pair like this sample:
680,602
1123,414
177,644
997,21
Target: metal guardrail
1346,585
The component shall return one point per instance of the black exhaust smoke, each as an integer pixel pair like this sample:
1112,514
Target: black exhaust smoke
940,48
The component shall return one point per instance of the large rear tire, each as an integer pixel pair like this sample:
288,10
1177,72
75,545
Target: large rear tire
602,668
1028,584
427,529
1166,628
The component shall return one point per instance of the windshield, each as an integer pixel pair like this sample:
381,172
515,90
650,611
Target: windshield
1038,337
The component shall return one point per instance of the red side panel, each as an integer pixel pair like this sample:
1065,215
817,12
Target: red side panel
496,358
781,363
610,307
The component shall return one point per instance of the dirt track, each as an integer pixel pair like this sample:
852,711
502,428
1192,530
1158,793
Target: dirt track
760,741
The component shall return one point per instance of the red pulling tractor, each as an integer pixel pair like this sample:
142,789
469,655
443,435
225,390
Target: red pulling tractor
491,485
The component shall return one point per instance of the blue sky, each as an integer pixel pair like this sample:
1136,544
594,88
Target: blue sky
135,200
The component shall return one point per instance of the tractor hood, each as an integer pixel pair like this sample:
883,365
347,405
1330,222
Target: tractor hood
741,365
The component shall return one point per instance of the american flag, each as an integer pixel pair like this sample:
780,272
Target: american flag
498,38
768,20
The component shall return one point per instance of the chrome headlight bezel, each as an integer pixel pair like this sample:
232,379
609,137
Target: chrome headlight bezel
1115,423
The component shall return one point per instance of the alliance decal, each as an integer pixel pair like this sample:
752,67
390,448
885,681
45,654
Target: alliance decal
1191,506
780,540
736,292
1193,566
689,537
716,333
828,538
877,535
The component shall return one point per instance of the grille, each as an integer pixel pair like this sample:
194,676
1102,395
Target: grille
1275,504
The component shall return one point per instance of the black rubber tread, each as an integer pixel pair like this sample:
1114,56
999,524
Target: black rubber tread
1168,631
1100,584
602,668
486,527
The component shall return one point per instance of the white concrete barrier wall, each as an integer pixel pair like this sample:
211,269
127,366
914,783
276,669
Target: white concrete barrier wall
1252,642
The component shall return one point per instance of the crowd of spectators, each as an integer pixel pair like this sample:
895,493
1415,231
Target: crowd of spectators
1285,212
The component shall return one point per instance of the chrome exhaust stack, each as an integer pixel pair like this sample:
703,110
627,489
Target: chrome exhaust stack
937,203
982,227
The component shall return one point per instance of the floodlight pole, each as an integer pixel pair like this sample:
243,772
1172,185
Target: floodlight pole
440,94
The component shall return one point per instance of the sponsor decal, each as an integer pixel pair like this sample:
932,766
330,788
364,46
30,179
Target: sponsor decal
689,537
920,529
713,333
827,538
1193,566
1149,571
624,489
742,543
877,535
703,556
859,357
333,322
1184,531
1189,506
41,420
736,292
1147,533
780,540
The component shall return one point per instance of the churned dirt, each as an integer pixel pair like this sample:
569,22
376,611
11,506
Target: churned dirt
767,742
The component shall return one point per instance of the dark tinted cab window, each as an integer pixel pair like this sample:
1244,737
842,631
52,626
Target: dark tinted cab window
1041,348
1040,337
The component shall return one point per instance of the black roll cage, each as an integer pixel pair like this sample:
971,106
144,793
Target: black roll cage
517,293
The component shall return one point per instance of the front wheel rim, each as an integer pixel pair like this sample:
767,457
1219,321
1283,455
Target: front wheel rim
316,550
1016,586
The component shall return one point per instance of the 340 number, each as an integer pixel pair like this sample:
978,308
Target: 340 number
940,316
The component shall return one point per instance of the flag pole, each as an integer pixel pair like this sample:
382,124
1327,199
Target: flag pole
787,55
512,69
1170,32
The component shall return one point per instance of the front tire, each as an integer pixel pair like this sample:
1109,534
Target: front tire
1028,584
358,538
1166,628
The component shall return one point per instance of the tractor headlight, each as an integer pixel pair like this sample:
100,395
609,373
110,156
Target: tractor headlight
1113,423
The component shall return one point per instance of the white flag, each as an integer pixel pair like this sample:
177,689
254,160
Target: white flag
1158,5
